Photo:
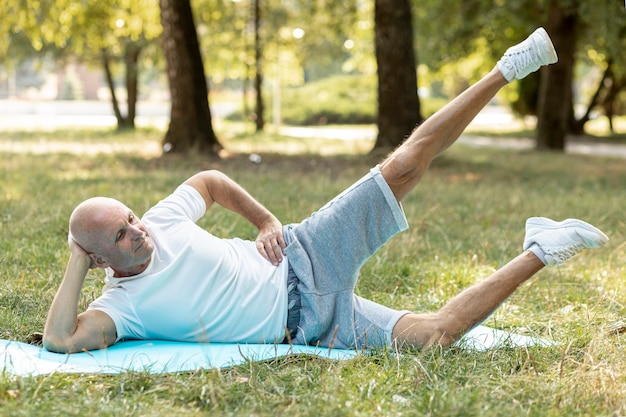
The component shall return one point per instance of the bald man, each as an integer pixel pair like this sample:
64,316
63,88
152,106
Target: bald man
167,278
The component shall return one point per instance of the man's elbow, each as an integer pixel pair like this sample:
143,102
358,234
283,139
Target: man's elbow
56,344
92,330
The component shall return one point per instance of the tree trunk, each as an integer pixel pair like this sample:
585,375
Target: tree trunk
106,64
555,91
131,59
132,81
609,103
398,103
577,126
190,125
258,65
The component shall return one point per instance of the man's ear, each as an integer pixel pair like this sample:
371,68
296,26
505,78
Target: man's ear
97,261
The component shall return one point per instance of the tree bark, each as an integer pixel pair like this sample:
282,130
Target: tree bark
258,65
610,101
398,102
106,64
577,126
132,82
555,90
190,127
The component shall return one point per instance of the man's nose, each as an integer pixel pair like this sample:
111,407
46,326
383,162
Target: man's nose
137,233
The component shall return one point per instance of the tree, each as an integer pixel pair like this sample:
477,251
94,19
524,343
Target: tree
398,103
190,125
132,80
132,27
601,47
587,34
577,125
259,118
233,28
97,32
555,90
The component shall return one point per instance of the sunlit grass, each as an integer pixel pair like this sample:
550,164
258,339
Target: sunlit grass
466,217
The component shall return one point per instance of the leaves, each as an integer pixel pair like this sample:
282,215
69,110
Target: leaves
77,28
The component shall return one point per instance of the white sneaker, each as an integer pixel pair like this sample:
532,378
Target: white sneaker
528,56
559,241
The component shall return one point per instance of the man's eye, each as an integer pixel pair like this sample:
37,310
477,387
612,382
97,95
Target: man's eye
119,236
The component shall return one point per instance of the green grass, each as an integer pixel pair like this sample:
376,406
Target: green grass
466,219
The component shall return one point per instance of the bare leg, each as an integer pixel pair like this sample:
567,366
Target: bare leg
403,170
467,309
405,166
546,239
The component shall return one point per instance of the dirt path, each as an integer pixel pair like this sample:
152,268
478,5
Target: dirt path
147,149
46,115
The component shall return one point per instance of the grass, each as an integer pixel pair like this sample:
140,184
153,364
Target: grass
466,219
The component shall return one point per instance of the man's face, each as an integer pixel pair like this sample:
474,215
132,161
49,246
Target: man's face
116,237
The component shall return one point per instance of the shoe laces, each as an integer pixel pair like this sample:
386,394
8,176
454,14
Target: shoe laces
522,59
561,254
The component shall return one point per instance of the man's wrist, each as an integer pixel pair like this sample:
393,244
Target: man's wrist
79,261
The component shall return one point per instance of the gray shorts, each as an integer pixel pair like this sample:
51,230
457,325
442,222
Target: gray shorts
326,252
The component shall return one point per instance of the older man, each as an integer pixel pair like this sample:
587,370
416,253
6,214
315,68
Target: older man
166,278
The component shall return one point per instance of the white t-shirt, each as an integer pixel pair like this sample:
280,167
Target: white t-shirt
198,287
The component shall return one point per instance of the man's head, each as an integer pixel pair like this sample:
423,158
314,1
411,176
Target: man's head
112,235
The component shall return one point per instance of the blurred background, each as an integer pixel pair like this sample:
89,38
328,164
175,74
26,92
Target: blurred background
180,64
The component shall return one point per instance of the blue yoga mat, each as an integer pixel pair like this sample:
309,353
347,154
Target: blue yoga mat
155,356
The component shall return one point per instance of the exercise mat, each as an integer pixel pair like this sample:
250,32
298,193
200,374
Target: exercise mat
156,356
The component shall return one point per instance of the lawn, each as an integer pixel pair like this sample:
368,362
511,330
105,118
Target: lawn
467,219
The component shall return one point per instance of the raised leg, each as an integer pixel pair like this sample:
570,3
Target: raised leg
405,166
546,242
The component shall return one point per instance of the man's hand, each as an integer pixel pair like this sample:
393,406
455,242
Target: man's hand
67,331
270,242
78,252
216,187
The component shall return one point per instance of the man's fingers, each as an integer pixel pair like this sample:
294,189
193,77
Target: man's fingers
276,253
272,251
261,248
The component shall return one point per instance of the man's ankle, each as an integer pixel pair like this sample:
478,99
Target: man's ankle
538,252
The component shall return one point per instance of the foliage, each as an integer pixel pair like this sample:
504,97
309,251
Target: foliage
64,30
446,41
341,99
453,48
309,35
84,28
466,219
605,34
336,100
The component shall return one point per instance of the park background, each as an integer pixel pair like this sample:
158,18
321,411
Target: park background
101,98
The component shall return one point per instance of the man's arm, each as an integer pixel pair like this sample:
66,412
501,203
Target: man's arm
67,331
216,187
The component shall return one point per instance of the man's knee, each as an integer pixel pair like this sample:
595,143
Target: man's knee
426,330
402,174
